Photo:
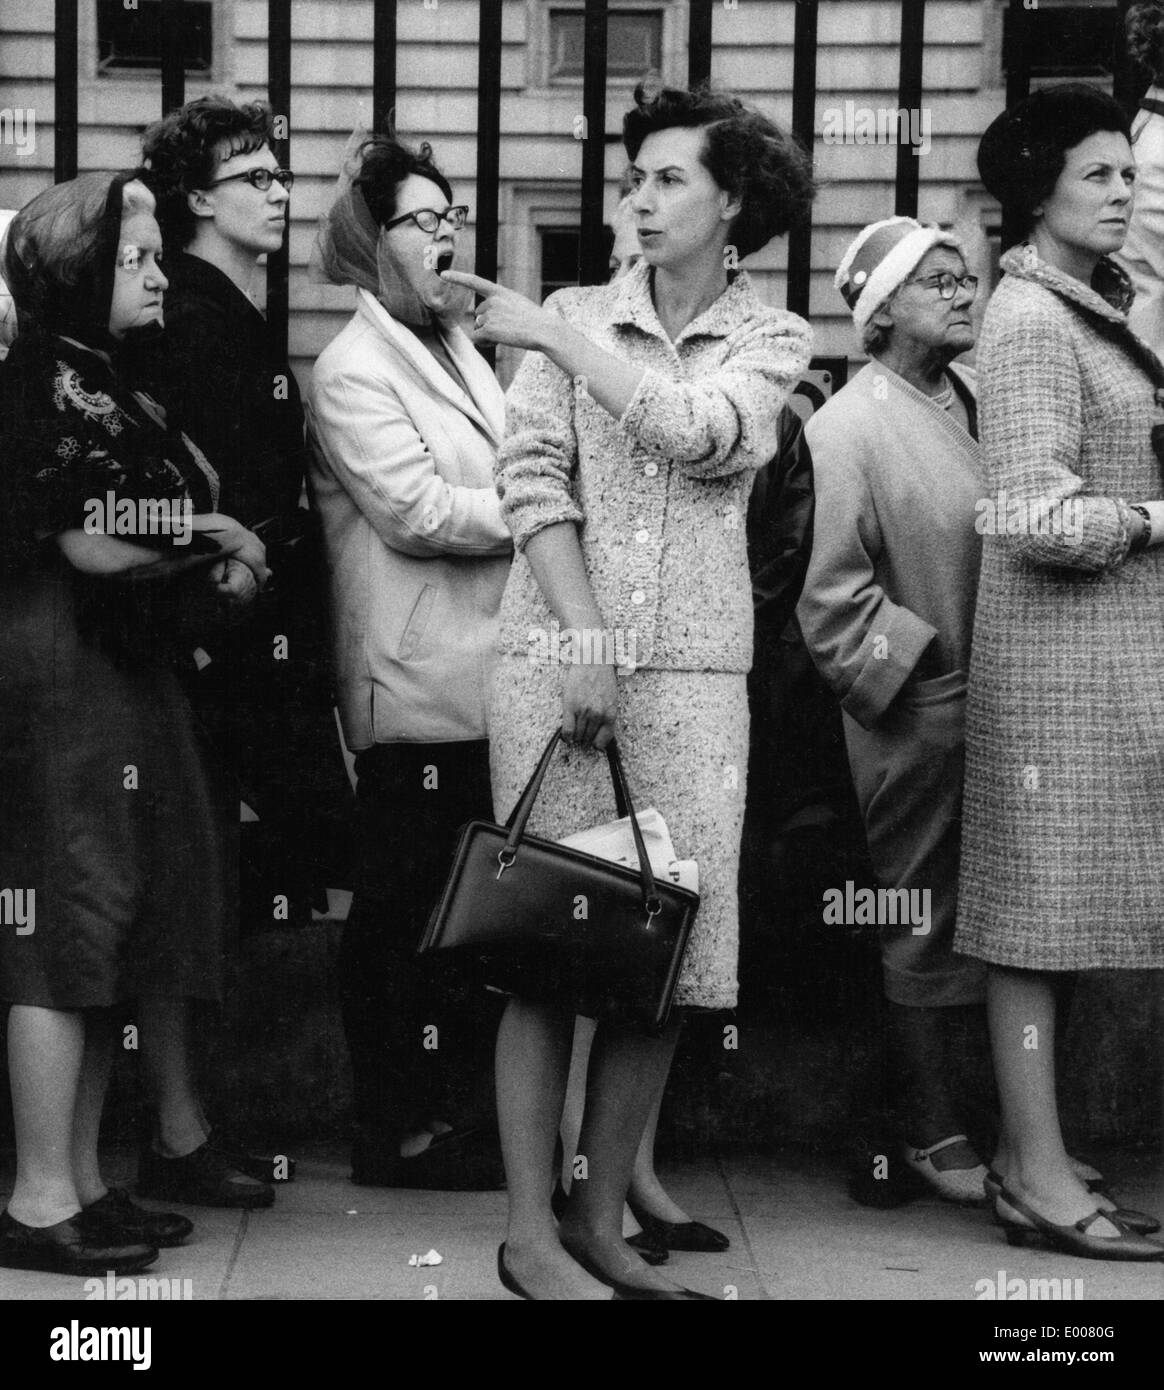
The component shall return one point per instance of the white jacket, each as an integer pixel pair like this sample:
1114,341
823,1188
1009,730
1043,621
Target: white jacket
1143,251
417,552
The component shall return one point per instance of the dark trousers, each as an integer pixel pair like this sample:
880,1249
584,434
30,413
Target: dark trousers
420,1033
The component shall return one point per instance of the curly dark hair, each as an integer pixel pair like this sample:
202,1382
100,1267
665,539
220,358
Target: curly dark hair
1144,26
747,154
1024,150
180,153
385,162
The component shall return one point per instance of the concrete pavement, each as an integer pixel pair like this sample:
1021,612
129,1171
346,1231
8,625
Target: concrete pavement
795,1235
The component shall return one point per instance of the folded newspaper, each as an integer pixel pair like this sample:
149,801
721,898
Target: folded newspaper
615,841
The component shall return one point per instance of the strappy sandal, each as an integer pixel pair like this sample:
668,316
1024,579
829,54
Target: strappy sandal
1139,1221
1073,1239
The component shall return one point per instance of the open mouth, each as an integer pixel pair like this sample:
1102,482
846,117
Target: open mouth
444,261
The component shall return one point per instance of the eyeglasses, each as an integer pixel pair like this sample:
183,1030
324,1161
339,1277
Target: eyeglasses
261,178
428,219
948,284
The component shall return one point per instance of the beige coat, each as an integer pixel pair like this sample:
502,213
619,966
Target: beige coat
418,553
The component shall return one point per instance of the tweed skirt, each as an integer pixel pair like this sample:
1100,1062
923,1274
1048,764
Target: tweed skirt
1063,835
683,736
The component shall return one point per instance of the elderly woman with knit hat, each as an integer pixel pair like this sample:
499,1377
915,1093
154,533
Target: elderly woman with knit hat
1063,847
887,611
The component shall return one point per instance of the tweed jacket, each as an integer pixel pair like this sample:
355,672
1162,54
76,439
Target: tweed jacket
417,552
1063,842
660,496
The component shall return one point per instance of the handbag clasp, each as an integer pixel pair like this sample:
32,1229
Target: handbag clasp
503,861
654,907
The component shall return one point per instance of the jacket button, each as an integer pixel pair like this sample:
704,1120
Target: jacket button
650,469
642,537
638,596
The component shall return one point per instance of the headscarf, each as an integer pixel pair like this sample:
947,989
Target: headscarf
60,259
349,246
7,307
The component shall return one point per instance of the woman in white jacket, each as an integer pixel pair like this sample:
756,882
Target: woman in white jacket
405,418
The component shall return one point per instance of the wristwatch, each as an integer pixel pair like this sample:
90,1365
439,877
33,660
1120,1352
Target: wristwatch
1146,535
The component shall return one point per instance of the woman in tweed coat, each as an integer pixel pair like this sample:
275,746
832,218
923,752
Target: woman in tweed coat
1063,849
633,432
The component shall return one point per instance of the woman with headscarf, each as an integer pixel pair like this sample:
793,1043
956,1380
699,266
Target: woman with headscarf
110,543
1063,840
405,419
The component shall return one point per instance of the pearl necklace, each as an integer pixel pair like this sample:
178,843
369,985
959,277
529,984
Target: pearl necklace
944,399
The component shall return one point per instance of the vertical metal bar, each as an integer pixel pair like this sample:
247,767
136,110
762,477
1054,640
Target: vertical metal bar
699,42
909,96
1018,86
1018,65
383,62
803,125
173,67
593,267
488,144
279,95
1128,83
65,92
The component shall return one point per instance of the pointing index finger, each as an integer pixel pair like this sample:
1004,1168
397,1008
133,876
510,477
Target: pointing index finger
474,282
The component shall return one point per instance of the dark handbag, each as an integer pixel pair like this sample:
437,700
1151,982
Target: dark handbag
546,922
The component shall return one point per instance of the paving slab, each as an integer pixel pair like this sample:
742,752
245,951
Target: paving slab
795,1235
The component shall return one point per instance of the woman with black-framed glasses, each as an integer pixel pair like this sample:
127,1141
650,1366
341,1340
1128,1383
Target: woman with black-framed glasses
406,418
223,204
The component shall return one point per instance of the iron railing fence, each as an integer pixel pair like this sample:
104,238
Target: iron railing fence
593,254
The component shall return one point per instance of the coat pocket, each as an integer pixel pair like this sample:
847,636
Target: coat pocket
417,622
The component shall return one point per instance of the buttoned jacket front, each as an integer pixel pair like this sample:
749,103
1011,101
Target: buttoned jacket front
660,496
402,477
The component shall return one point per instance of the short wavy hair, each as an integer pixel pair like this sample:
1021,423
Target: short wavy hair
745,152
385,162
180,153
1144,26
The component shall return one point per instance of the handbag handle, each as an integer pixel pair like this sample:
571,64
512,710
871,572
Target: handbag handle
525,804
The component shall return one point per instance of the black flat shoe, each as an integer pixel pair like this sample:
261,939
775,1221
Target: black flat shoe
1073,1239
261,1167
635,1292
463,1161
204,1178
645,1246
1138,1221
511,1283
507,1279
691,1236
646,1249
68,1248
115,1220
